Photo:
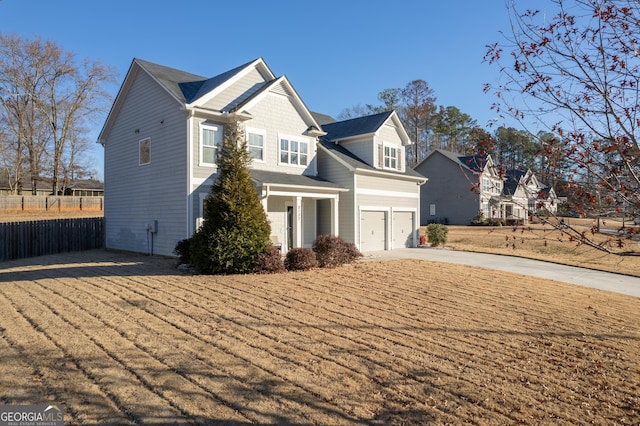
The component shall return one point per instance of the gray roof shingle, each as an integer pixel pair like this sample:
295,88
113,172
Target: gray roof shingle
357,163
355,126
185,86
276,178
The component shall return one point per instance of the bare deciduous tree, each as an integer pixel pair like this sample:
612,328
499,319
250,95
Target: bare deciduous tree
575,68
47,98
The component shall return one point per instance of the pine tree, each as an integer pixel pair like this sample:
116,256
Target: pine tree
235,229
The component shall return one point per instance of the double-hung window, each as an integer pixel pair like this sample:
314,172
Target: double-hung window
255,143
294,150
486,184
390,157
210,140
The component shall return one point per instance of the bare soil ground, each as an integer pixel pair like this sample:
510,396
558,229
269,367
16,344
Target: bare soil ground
125,339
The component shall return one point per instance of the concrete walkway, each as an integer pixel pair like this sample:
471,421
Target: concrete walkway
569,274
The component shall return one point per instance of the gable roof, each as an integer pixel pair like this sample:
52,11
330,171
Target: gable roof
355,126
279,85
189,90
354,162
475,163
512,180
322,119
172,79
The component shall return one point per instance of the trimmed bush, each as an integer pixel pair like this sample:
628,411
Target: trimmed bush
437,234
300,259
182,251
332,251
270,262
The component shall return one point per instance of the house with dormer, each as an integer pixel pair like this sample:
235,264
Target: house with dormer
313,175
459,187
526,195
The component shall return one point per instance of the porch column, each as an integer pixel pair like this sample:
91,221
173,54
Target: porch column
334,216
264,199
297,222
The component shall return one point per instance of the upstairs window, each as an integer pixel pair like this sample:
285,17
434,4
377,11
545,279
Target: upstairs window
210,141
255,143
390,157
144,147
486,184
294,151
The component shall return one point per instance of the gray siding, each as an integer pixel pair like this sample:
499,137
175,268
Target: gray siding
238,92
136,195
330,169
201,172
277,115
363,149
450,188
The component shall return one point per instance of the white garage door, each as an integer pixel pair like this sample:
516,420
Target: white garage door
403,229
373,226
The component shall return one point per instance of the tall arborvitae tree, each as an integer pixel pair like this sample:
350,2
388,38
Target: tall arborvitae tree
235,229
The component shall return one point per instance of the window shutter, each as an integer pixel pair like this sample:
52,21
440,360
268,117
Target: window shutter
400,159
380,156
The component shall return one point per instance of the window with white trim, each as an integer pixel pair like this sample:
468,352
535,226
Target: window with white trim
210,141
294,151
144,146
255,143
390,157
486,184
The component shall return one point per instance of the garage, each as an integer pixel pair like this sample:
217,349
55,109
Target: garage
403,234
373,230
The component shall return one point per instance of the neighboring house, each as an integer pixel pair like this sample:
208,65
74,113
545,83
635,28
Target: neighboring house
162,138
460,187
528,194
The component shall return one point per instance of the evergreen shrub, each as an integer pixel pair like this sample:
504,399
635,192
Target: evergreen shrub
437,234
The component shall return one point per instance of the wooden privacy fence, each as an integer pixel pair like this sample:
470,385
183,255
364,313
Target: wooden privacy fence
20,240
50,203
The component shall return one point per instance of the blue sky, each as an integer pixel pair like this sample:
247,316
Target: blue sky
335,53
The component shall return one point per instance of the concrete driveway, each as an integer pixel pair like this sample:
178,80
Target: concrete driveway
618,283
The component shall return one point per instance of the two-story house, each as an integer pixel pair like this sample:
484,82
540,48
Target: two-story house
527,195
458,188
161,141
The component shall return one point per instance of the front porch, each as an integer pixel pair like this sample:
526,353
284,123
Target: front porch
299,208
508,210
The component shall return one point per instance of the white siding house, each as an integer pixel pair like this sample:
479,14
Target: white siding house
161,141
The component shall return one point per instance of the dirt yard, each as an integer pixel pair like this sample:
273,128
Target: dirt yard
121,339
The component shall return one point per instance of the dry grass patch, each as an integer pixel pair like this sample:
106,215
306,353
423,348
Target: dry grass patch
541,242
126,340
